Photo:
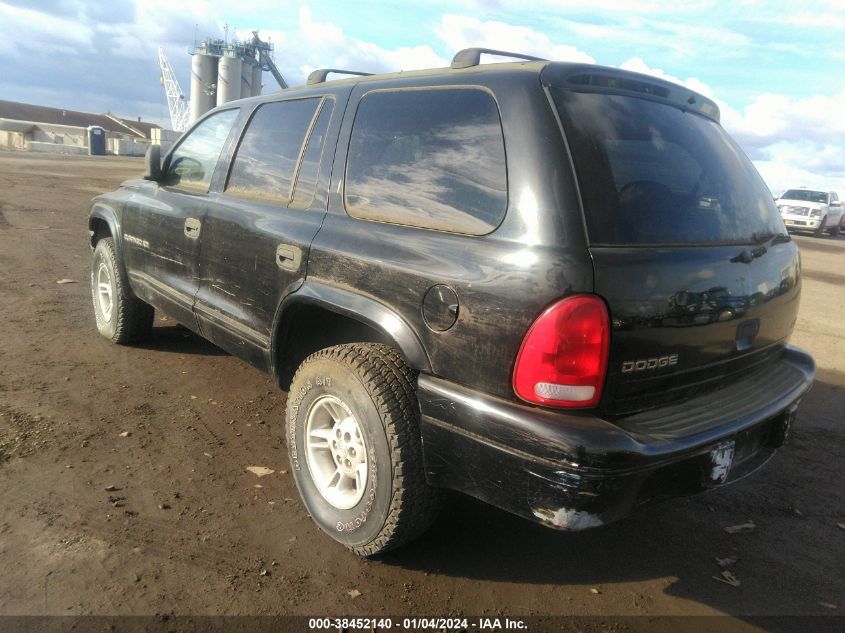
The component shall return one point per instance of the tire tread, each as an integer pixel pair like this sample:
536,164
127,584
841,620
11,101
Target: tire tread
133,317
392,385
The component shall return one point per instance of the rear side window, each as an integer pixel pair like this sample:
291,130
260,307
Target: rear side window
265,163
431,158
651,173
194,159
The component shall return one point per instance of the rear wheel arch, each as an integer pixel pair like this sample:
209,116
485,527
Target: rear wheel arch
316,318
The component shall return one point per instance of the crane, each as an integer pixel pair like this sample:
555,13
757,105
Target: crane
180,114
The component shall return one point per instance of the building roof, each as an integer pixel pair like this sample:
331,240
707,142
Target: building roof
137,126
56,116
15,126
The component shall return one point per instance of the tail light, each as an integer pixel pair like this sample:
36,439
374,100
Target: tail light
563,359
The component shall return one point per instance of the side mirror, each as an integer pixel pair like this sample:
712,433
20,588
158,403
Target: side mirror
152,163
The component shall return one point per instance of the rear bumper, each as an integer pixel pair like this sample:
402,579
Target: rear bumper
573,470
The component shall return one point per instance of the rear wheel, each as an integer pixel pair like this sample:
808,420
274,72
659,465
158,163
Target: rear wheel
355,448
121,317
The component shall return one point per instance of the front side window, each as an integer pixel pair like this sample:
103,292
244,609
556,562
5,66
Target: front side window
653,174
265,163
193,161
430,158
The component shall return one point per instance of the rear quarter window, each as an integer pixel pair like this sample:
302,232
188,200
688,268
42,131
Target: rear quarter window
429,158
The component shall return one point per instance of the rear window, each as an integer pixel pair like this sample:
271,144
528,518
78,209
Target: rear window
651,173
431,158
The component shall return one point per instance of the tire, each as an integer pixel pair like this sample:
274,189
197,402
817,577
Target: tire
379,501
836,230
819,232
121,317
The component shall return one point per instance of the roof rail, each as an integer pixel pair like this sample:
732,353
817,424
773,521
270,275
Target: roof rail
472,56
319,76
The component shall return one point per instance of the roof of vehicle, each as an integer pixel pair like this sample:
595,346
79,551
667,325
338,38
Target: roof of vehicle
576,76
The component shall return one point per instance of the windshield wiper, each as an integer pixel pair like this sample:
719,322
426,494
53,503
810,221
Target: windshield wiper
760,239
765,237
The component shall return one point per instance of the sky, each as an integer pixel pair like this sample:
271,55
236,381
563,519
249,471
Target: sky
775,68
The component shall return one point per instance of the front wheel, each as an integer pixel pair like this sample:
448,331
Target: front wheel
121,317
819,232
355,448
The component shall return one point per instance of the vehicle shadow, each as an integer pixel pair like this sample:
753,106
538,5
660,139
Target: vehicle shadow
177,339
787,564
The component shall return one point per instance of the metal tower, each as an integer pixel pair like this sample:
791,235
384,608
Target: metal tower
179,112
266,60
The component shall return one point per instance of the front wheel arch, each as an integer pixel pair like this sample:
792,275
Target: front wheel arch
102,223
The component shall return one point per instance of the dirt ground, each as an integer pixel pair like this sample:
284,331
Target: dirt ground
187,530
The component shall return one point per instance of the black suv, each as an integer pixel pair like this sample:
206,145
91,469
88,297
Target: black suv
559,288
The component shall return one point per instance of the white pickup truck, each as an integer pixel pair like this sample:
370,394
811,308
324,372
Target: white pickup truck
809,210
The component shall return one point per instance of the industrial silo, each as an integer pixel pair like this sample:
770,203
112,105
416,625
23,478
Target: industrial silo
256,80
203,79
229,79
246,77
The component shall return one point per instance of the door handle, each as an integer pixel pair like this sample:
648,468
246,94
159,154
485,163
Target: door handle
288,257
192,228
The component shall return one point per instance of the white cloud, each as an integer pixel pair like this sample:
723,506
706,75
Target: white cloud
155,23
814,19
661,7
792,141
47,33
678,39
458,32
325,39
323,44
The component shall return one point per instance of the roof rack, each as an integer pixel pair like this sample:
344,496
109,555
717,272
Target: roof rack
319,76
472,57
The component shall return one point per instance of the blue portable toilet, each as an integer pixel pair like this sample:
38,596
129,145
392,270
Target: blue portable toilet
96,141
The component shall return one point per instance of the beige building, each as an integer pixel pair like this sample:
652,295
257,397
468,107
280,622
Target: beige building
39,128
